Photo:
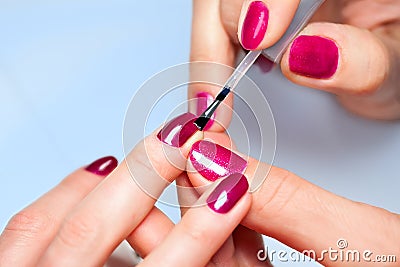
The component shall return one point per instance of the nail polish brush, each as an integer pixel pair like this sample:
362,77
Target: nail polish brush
304,12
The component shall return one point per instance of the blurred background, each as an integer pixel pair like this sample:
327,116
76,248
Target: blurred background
68,70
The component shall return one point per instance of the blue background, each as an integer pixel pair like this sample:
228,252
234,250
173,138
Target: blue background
68,70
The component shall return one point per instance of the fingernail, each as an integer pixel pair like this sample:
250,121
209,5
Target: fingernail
314,56
264,64
254,25
103,166
227,193
203,101
177,131
213,161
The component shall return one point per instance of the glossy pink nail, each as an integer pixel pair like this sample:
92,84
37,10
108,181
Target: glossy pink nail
103,166
213,161
314,56
228,193
177,131
254,25
203,101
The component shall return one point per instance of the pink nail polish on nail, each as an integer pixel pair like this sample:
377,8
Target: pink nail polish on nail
203,101
225,196
213,161
103,166
177,131
254,25
314,57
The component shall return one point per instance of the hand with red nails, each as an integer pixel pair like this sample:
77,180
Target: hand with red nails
351,49
84,218
296,212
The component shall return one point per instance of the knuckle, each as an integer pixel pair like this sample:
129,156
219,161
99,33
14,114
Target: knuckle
275,194
148,159
139,158
77,231
196,233
30,223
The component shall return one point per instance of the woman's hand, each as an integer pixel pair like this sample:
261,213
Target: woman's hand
84,218
240,247
352,51
296,212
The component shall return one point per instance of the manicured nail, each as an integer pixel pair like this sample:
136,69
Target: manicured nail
227,193
203,101
314,56
103,166
213,161
254,25
177,131
264,64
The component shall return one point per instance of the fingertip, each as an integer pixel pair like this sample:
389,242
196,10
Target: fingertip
263,23
102,166
202,95
227,193
336,58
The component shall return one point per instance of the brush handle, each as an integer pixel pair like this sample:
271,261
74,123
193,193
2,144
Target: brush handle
242,68
230,84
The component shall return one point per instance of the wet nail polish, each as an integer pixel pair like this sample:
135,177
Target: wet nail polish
177,131
213,161
254,25
314,57
103,166
203,101
227,193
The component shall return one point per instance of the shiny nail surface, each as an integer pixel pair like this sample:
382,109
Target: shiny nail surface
203,101
254,25
227,193
177,131
103,166
314,57
213,161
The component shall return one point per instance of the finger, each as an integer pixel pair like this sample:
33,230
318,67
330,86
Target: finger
210,161
248,243
205,228
210,43
30,231
187,195
263,23
350,62
124,199
337,58
150,232
305,216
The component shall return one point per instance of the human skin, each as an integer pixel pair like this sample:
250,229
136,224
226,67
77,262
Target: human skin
307,217
84,218
366,33
365,80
